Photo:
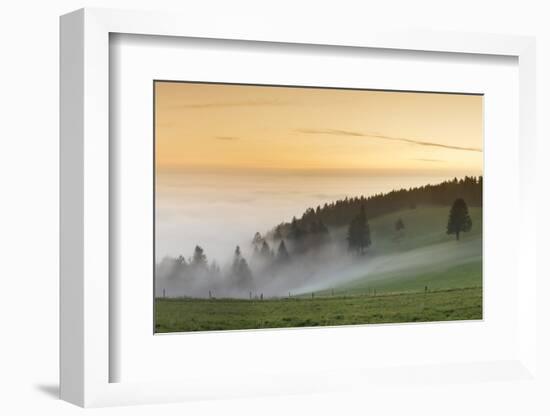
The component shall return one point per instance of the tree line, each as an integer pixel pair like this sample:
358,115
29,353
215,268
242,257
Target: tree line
338,213
237,275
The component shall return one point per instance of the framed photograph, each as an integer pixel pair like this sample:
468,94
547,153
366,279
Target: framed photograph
287,211
285,206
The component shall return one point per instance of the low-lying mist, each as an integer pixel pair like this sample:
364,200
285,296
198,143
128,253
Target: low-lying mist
259,273
208,242
330,266
219,211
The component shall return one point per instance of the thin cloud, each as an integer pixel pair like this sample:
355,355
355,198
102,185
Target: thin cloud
333,132
429,160
227,104
337,132
226,138
424,143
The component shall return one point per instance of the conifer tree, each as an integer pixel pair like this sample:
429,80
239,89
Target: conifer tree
265,251
199,258
359,233
282,253
257,240
296,232
240,271
399,225
459,218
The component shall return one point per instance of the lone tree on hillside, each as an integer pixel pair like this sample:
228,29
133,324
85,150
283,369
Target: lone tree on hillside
399,225
359,232
459,218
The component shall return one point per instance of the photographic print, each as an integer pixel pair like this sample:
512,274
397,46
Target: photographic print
290,206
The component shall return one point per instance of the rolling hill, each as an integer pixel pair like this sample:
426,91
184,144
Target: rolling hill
421,255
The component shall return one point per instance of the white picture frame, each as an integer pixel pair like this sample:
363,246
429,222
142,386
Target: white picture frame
85,353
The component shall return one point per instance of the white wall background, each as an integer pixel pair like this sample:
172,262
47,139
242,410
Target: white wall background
29,204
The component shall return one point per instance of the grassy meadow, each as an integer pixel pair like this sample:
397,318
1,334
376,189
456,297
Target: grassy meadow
179,315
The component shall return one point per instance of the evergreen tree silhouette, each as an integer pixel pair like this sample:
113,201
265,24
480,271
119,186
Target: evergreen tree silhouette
359,233
282,253
265,251
199,258
257,240
240,271
399,225
459,218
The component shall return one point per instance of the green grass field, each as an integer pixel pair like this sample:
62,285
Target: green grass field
390,287
178,315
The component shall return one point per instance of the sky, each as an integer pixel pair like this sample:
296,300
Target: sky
232,160
217,127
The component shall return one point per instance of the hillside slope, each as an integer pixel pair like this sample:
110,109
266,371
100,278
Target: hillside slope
419,256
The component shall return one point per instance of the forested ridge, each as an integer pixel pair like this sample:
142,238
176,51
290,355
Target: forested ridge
340,212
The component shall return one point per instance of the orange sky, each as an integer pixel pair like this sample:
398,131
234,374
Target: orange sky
218,127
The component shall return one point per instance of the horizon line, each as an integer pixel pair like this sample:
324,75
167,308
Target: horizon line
174,169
